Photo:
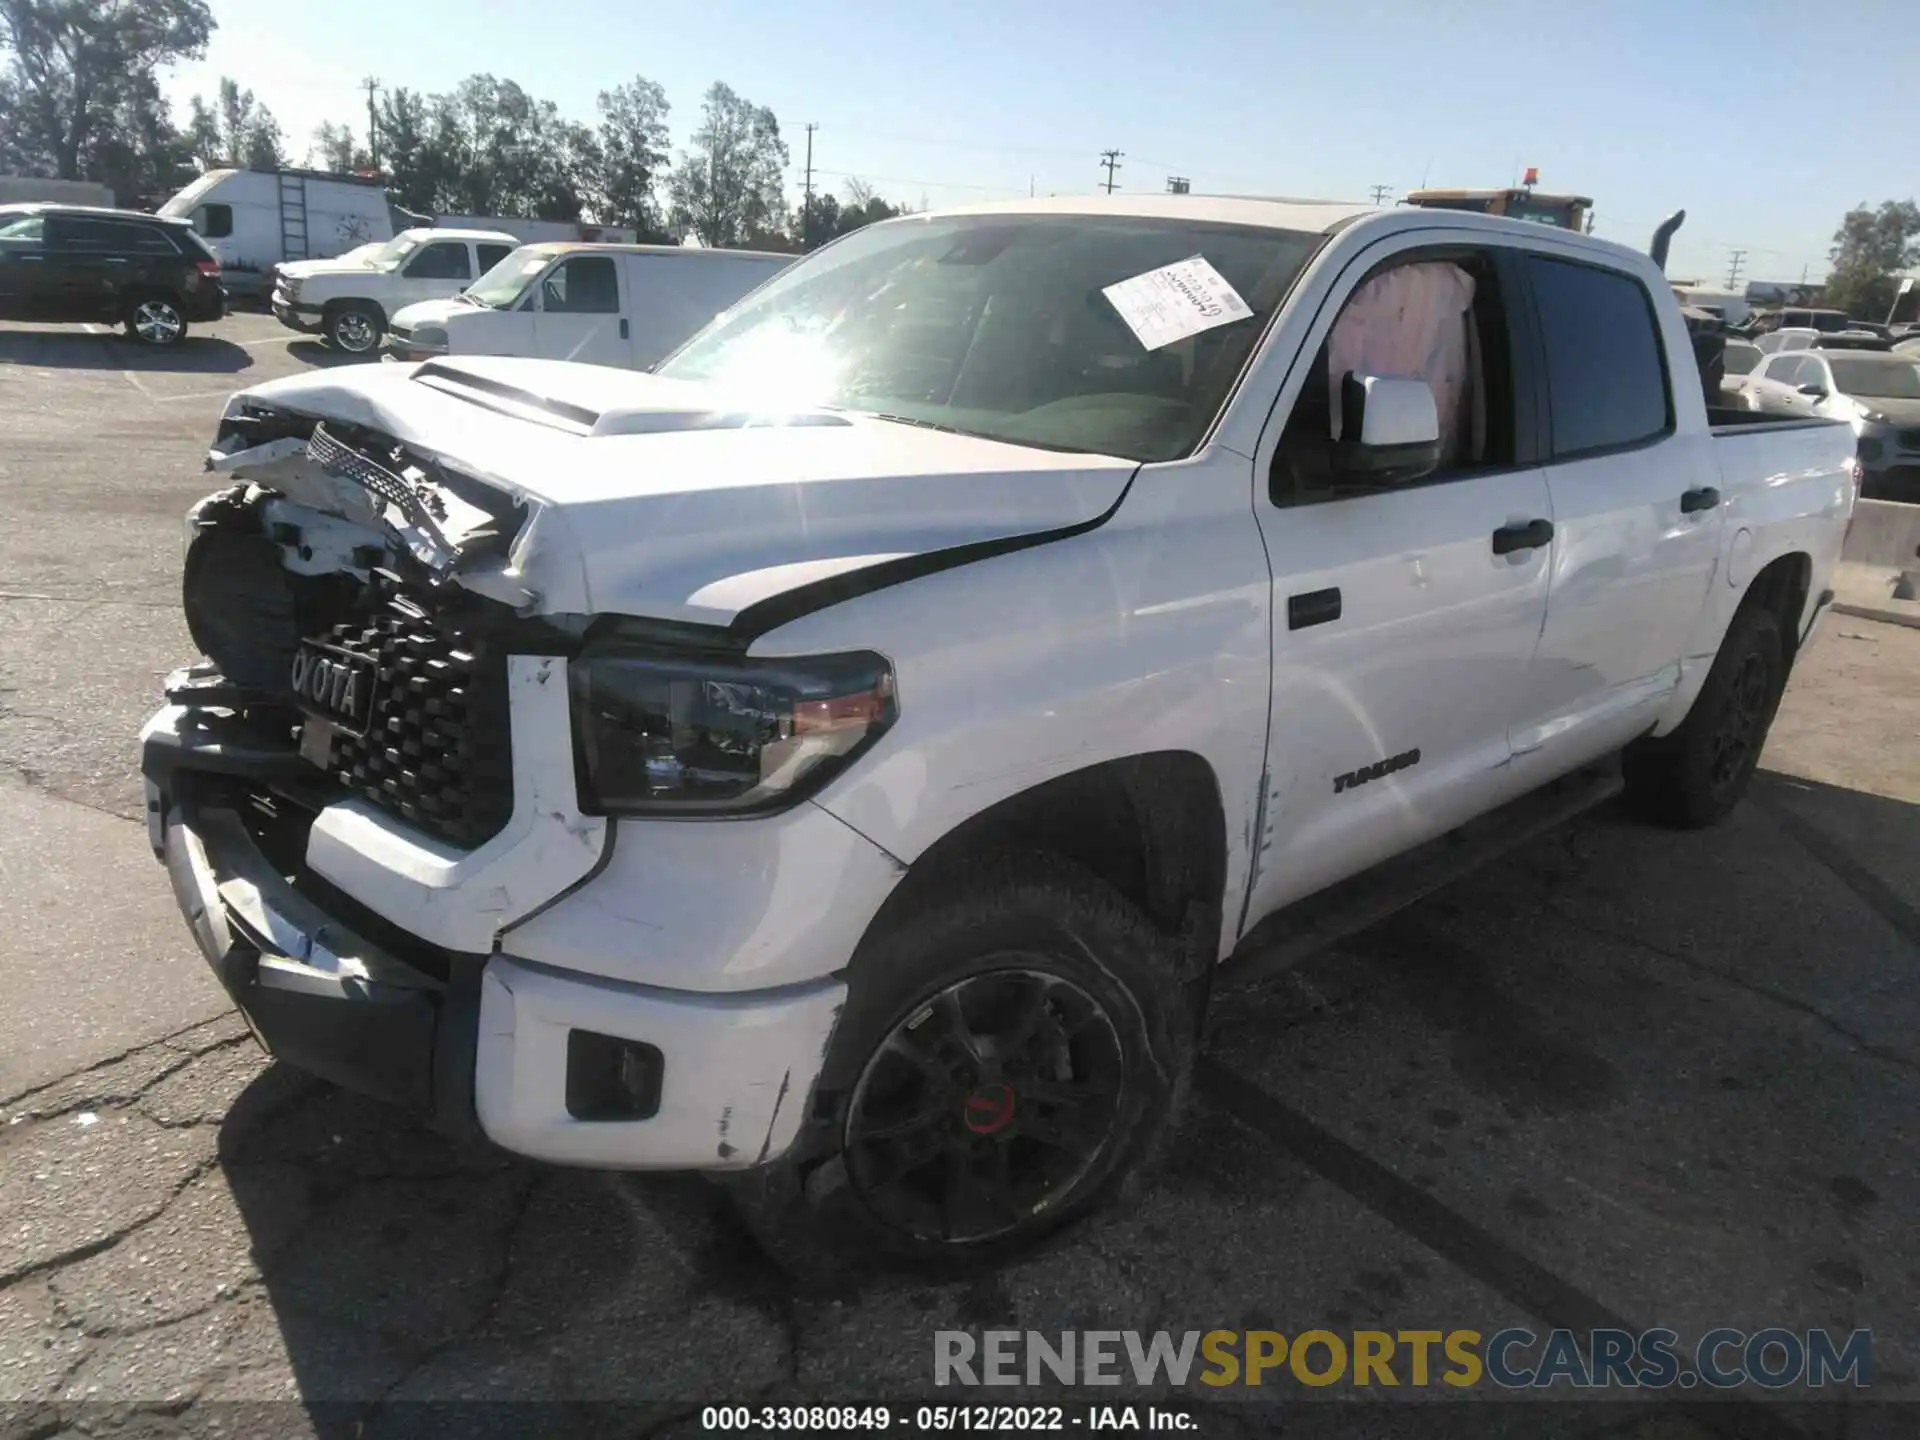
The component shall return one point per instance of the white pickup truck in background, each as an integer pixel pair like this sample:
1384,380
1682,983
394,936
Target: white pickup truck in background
351,300
846,758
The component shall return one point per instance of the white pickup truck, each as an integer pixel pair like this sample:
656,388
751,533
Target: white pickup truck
848,757
349,300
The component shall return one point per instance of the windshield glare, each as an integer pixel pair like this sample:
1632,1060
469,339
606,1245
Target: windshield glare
996,325
502,286
1884,379
396,249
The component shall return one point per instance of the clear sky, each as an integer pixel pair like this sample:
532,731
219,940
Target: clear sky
1766,120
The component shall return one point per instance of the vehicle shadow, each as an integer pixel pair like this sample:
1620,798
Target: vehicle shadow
321,355
410,1277
72,349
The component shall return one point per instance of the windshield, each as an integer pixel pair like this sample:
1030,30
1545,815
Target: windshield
1002,326
1888,379
502,286
396,249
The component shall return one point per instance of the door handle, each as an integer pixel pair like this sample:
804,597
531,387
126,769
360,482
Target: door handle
1315,607
1705,498
1530,536
623,328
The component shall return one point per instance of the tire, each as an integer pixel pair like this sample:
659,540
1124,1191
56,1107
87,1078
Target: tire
1081,1046
155,320
355,328
1694,777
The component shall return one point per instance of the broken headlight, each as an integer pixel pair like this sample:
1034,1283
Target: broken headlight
664,734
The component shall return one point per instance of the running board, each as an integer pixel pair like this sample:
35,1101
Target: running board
1329,916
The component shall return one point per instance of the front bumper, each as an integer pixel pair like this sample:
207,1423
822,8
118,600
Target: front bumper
474,1043
304,318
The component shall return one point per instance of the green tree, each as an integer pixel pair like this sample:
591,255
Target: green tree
831,219
728,185
338,148
633,156
1869,250
77,70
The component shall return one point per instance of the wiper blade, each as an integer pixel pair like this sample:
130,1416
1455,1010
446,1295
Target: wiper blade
917,423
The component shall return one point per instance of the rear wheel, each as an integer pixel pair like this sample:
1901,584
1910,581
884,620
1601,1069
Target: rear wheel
155,320
1696,775
1009,1055
355,328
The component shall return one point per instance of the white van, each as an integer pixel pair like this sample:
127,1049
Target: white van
625,305
255,219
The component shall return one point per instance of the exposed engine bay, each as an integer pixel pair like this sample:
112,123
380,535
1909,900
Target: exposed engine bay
322,587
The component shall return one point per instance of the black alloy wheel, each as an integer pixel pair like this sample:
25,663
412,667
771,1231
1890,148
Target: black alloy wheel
985,1106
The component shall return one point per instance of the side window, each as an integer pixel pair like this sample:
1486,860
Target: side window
1812,371
23,229
75,233
214,222
145,240
586,285
446,260
1606,378
492,255
1781,368
1443,320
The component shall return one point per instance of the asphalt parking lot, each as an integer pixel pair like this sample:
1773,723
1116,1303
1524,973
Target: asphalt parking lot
1626,1078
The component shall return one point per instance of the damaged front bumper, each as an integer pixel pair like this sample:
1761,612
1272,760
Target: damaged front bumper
547,1063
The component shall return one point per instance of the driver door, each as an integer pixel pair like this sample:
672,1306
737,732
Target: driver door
1405,617
581,312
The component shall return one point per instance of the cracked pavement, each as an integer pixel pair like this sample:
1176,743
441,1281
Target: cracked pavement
1665,1078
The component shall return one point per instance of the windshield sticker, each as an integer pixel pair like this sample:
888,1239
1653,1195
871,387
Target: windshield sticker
1169,304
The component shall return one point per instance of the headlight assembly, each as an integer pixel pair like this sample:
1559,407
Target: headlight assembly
660,733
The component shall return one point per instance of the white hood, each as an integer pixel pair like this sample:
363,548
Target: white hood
431,312
659,497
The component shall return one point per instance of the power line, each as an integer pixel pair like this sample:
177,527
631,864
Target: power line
1179,185
1110,159
1733,268
1380,194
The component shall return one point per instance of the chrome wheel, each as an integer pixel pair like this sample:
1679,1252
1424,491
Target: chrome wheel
157,322
355,332
985,1107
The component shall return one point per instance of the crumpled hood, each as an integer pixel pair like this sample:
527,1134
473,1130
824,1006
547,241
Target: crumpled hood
659,497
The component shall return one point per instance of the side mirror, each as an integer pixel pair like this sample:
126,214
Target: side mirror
1389,430
1818,392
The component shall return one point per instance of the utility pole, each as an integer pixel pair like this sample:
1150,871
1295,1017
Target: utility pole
1733,267
1179,185
373,123
1110,159
1380,194
806,206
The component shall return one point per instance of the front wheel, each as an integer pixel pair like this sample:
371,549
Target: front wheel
157,321
1695,776
1010,1053
355,329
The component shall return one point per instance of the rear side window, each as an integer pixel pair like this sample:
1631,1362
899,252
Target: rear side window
109,237
586,285
492,255
1781,368
1606,380
22,229
1811,372
446,260
214,221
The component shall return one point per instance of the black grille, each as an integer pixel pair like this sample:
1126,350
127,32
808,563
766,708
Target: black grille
436,751
1910,439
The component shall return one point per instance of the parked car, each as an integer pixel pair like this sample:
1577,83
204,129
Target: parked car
1794,317
1878,395
1057,600
625,305
349,301
83,265
1798,338
1908,346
